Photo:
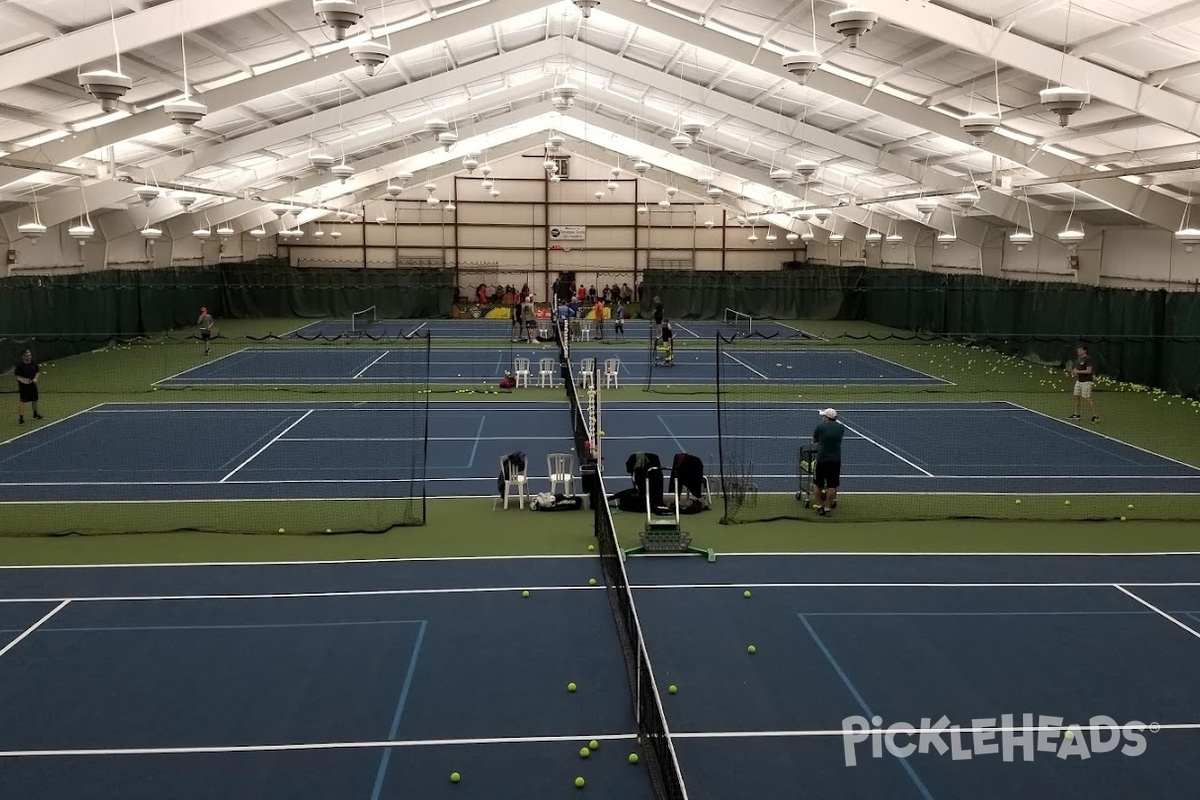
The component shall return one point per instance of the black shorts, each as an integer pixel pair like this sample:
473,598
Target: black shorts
206,335
828,474
28,392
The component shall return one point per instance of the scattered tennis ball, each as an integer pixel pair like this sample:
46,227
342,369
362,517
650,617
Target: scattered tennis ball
1123,519
584,752
455,777
571,687
525,593
752,649
778,364
281,530
591,581
593,745
329,530
633,759
579,783
672,688
790,366
1130,506
1066,502
1068,734
591,547
746,593
1018,501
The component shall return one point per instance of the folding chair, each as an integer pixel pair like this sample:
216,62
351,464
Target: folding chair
612,368
514,479
587,372
561,469
521,371
546,370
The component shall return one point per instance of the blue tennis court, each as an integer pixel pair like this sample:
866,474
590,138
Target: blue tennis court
330,366
499,329
286,450
378,679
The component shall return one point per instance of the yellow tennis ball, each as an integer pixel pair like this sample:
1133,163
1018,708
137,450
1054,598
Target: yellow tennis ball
525,593
1018,501
455,777
1066,502
1123,519
579,783
594,745
633,759
584,752
571,687
591,547
281,530
591,581
1068,734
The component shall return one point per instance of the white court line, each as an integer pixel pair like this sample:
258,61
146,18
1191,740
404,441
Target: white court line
689,330
937,378
747,366
549,557
1153,727
275,748
1157,610
200,366
1101,435
492,590
360,373
34,627
258,452
50,424
413,332
893,453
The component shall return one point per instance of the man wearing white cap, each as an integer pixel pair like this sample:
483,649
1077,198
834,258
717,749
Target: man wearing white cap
828,472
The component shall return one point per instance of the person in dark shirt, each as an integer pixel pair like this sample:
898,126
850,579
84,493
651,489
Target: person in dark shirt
28,374
1083,383
658,319
827,475
205,321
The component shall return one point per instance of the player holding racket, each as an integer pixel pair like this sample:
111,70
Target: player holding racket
1081,368
206,325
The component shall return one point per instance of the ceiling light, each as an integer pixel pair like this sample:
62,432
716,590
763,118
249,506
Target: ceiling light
279,209
470,163
106,86
586,6
681,141
224,231
32,231
556,141
853,23
926,205
672,191
771,237
611,186
342,171
485,170
664,203
318,233
321,161
643,209
494,193
801,65
403,177
436,125
714,192
781,175
202,233
641,167
966,200
339,15
1071,235
150,234
449,206
394,189
874,237
599,195
333,234
946,239
894,238
753,237
822,214
979,126
1189,237
345,215
555,179
186,113
807,236
148,194
447,139
1063,101
615,172
806,169
258,233
708,223
370,55
792,236
692,128
836,238
1020,238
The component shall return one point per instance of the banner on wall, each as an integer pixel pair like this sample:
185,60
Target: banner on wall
567,233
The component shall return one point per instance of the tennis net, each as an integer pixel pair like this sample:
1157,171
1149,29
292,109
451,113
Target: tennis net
737,322
362,320
661,761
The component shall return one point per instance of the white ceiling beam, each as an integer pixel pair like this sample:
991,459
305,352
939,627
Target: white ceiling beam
1028,12
1096,129
214,49
957,90
1125,33
933,52
1163,76
1151,207
283,29
268,83
1149,154
164,21
20,17
1039,60
715,102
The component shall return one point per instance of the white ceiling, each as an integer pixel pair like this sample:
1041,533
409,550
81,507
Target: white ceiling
882,119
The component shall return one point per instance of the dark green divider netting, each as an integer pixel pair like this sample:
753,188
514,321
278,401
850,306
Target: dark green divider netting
145,432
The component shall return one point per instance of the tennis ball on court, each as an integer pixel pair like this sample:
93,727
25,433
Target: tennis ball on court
790,366
633,759
746,593
591,547
579,783
156,388
281,530
525,593
672,688
1130,506
327,530
1066,502
1068,734
584,752
1018,501
1123,519
571,687
593,745
455,777
778,365
751,649
591,581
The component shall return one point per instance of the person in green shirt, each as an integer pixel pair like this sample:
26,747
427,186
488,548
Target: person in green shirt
828,472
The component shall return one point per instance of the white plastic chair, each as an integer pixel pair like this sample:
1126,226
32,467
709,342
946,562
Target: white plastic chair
561,469
515,481
521,371
587,372
585,330
546,372
612,368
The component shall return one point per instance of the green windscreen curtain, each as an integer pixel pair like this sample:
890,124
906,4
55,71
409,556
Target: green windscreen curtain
288,292
1143,337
